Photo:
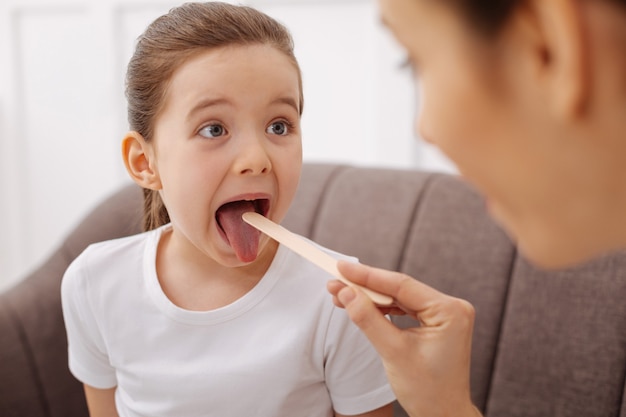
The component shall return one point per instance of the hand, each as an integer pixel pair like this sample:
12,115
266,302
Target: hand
427,366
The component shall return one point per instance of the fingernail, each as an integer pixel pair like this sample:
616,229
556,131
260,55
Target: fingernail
346,295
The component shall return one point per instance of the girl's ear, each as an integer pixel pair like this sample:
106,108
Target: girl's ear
139,159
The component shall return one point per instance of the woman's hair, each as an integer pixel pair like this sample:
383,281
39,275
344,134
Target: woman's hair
489,16
169,42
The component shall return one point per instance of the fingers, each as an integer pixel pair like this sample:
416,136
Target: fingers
334,286
410,294
439,348
424,303
376,327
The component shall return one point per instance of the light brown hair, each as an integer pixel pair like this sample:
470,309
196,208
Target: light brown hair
169,42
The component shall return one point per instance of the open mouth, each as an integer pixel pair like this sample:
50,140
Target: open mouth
234,209
243,238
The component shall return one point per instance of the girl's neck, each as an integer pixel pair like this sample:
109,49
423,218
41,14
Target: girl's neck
199,283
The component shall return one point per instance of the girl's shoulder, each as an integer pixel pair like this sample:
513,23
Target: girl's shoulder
116,255
118,247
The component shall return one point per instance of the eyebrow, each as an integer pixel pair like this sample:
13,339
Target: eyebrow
203,104
209,102
288,101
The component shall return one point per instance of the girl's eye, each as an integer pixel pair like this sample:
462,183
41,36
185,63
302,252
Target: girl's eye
212,131
278,128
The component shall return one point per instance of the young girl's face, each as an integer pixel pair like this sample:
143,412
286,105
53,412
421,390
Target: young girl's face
228,141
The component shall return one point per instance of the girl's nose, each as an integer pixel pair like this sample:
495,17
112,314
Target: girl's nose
253,158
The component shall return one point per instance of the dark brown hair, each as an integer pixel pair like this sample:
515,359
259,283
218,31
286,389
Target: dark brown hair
169,42
489,16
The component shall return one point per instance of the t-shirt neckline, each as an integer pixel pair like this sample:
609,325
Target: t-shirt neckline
211,317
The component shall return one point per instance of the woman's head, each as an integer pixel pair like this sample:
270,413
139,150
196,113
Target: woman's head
527,97
173,39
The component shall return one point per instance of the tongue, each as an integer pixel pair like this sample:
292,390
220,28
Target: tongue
243,238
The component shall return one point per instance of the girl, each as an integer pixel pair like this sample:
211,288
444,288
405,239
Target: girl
528,97
202,315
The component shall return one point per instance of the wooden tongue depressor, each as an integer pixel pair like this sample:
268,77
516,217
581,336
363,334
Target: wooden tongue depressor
309,252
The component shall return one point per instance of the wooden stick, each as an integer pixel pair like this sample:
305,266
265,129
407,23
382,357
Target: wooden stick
309,252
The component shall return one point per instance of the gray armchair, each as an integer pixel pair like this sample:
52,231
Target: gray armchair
545,343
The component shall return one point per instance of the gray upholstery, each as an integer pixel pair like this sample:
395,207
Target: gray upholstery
545,343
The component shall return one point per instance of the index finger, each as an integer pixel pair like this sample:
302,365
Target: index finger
408,292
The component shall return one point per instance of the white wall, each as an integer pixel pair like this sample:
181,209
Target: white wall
62,109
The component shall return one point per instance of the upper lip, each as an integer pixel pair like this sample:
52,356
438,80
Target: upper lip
247,197
258,196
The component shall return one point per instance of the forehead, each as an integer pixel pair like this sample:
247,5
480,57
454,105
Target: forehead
235,70
432,28
394,12
228,61
413,15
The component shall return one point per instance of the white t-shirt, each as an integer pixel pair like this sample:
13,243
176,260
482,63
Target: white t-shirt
283,349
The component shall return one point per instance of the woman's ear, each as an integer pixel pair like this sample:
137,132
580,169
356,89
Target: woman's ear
562,54
138,157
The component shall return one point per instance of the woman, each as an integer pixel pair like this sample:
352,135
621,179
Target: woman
528,97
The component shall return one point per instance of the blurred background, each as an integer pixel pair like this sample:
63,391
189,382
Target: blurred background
63,112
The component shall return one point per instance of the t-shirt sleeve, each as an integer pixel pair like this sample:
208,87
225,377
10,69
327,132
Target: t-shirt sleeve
88,359
355,376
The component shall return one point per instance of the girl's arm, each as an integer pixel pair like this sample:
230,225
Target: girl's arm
101,402
384,411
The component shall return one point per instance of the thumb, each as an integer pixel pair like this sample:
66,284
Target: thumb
364,313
